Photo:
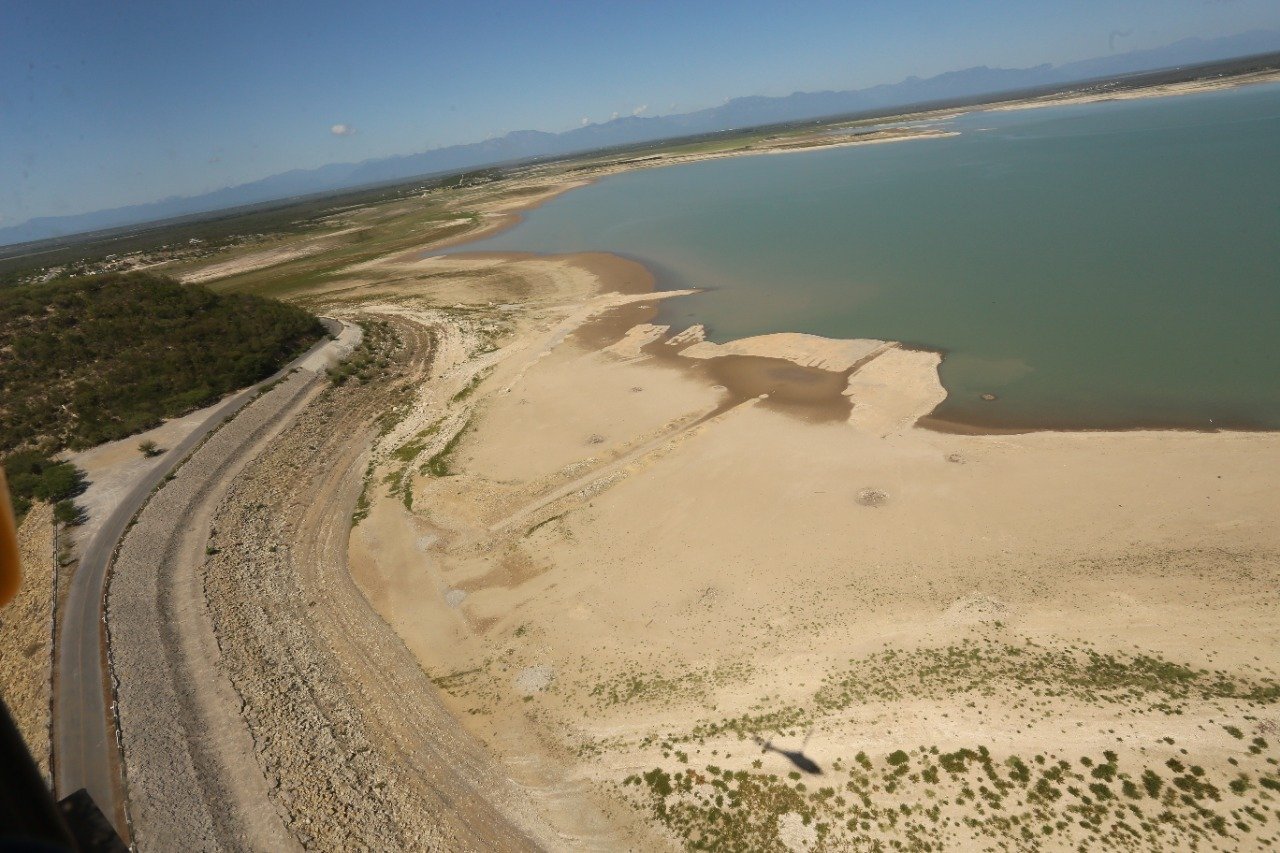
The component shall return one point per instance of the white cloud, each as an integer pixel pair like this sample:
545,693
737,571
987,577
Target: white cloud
342,130
640,110
585,121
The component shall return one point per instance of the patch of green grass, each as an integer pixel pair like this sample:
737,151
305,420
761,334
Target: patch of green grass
438,464
363,504
471,386
400,480
667,685
454,680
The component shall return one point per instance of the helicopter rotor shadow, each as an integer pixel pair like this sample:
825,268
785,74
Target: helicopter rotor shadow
802,762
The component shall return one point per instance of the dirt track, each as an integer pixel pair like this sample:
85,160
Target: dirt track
192,782
357,750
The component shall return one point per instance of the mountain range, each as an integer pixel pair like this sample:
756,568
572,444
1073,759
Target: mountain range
736,113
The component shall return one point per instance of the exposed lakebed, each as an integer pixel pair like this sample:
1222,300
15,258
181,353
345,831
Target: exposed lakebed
1099,265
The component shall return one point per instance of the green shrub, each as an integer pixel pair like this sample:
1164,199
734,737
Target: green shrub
66,512
98,358
35,477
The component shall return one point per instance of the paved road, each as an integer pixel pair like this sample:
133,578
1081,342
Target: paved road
84,736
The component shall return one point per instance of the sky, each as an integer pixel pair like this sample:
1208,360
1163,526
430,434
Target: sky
104,104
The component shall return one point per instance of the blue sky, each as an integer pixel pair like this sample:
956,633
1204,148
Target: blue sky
110,103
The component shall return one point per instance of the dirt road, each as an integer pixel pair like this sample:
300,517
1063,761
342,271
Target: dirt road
355,742
84,733
263,703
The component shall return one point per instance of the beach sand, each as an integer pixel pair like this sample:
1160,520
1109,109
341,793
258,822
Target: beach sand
749,593
643,550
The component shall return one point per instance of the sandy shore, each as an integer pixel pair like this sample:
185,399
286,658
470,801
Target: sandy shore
686,593
642,550
1189,87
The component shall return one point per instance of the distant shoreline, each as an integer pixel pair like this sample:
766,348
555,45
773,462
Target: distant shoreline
507,215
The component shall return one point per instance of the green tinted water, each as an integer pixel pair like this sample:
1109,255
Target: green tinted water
1100,265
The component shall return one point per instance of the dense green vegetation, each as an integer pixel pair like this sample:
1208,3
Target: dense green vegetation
83,361
34,477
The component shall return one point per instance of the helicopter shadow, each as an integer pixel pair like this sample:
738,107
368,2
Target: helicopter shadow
802,762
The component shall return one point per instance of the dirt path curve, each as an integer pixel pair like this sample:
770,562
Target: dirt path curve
353,737
190,774
84,737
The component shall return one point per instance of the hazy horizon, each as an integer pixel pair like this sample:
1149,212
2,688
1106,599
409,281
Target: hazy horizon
117,129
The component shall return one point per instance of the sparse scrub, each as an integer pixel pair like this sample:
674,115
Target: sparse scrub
368,360
470,387
438,464
912,797
989,668
881,806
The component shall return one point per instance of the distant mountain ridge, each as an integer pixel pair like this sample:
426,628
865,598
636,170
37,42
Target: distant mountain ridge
736,113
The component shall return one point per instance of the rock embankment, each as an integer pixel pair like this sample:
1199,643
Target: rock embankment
191,779
357,749
25,636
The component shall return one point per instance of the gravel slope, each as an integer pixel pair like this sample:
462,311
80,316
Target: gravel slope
192,782
263,703
357,748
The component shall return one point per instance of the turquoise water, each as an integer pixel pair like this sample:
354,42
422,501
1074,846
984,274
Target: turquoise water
1095,265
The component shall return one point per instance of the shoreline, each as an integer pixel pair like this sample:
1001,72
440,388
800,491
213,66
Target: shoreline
609,269
509,215
604,563
620,567
604,330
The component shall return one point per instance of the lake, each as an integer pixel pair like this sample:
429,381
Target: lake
1102,265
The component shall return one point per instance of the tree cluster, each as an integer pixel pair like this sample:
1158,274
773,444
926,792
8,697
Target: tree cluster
34,477
89,360
84,361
